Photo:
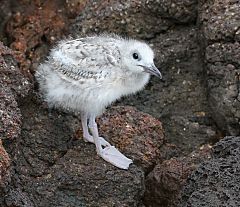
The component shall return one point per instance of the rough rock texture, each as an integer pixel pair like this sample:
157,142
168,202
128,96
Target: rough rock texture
50,167
13,85
178,11
219,20
165,182
180,102
4,165
216,182
5,14
35,25
121,17
142,19
4,170
197,50
138,134
53,168
10,75
220,28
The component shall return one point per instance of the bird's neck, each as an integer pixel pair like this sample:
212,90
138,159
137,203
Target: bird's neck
135,81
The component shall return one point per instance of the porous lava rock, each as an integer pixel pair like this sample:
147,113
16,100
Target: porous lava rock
35,25
4,165
216,182
54,166
134,132
180,102
12,86
164,184
220,31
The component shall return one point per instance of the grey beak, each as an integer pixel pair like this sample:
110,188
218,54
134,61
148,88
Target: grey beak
152,69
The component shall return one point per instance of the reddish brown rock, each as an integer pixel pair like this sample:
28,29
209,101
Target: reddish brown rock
52,168
37,24
135,133
165,182
68,172
4,164
138,135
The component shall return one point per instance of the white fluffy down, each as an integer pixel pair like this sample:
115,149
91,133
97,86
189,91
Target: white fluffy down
117,74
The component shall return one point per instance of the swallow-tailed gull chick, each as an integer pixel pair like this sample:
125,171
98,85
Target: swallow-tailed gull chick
85,75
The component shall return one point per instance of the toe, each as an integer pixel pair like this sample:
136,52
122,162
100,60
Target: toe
113,156
88,138
104,142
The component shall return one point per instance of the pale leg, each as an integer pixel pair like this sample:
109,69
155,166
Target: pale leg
94,131
86,136
109,153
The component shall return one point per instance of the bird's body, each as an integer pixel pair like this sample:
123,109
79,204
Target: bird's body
87,74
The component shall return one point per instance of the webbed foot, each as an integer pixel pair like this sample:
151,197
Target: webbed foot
113,156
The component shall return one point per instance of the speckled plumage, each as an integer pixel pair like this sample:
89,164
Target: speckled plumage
87,74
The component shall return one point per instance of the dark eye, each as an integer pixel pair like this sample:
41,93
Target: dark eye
135,56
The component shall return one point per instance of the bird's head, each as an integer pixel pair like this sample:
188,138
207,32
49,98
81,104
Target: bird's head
137,57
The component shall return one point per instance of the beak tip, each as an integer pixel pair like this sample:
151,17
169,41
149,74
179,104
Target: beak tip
153,70
158,74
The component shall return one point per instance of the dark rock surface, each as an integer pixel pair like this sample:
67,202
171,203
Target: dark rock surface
219,20
53,168
5,14
13,85
216,182
220,32
180,102
121,17
142,19
10,75
4,165
165,182
178,11
197,50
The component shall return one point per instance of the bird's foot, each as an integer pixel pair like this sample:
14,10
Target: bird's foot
103,142
113,156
